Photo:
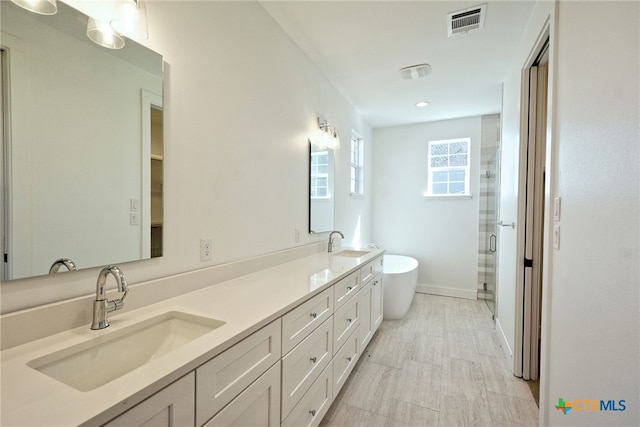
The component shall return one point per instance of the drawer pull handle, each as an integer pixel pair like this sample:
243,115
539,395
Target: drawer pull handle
375,283
349,320
313,412
313,359
313,315
349,288
349,359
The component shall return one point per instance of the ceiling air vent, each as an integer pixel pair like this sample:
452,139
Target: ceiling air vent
466,20
415,71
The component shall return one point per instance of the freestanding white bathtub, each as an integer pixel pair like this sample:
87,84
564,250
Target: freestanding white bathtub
400,280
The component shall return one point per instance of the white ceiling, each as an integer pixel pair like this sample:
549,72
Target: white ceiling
361,45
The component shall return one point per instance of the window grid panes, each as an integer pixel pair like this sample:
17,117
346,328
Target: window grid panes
449,167
319,187
357,167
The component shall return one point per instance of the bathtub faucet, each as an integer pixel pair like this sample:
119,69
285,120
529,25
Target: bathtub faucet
330,246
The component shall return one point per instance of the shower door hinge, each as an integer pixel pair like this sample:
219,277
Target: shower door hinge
528,263
6,257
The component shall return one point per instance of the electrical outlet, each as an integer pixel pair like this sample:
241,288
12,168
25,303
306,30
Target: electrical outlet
206,249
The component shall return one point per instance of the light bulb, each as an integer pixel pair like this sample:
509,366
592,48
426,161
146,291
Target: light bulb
102,34
42,7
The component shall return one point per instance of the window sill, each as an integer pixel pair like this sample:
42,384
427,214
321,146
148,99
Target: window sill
448,196
356,196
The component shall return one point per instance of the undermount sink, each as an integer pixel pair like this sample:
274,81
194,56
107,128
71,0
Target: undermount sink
92,364
351,253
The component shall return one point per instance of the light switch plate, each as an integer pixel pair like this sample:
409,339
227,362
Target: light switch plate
556,209
556,236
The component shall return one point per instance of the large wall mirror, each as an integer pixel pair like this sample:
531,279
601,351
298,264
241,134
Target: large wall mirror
82,145
321,182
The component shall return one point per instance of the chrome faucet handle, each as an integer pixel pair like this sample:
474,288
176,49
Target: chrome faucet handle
330,245
101,305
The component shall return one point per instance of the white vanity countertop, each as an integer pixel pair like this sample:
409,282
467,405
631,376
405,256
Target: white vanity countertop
246,304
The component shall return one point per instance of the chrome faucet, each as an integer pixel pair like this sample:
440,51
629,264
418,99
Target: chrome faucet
71,266
330,246
102,306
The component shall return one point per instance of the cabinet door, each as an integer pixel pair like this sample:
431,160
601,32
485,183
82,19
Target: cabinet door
345,360
226,375
258,405
365,331
376,301
314,404
173,406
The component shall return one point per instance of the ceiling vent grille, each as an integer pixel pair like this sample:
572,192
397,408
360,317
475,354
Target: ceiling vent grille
466,20
415,71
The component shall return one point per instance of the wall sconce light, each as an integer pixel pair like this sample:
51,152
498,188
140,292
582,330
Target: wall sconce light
102,34
326,135
42,7
131,20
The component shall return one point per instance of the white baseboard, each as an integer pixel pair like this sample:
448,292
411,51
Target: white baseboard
503,341
447,292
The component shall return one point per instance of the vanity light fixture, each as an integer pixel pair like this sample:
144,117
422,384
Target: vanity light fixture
131,20
42,7
326,135
102,34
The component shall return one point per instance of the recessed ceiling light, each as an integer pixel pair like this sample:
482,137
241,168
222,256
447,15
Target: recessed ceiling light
422,104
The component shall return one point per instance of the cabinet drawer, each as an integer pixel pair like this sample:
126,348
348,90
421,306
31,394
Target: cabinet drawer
171,406
370,269
345,359
345,321
258,405
345,289
222,378
300,321
304,364
314,405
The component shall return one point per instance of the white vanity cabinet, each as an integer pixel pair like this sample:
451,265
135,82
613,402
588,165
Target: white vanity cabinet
286,373
172,406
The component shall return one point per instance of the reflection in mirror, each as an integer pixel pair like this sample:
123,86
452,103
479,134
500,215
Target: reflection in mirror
82,145
321,197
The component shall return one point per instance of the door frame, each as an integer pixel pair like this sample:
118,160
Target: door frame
527,301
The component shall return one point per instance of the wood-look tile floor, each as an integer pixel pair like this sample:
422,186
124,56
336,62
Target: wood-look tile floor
442,365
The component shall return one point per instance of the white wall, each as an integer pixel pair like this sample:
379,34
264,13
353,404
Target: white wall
590,342
240,101
591,336
441,234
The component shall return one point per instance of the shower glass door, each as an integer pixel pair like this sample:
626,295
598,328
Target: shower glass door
491,224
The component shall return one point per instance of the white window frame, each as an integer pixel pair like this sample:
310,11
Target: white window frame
448,168
313,189
356,170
